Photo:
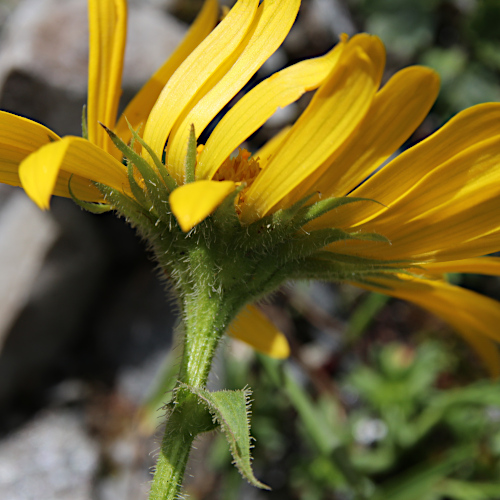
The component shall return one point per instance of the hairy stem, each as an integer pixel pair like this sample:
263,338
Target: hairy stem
206,317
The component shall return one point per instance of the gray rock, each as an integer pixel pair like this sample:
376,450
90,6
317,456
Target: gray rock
26,236
52,264
51,458
152,36
65,261
44,55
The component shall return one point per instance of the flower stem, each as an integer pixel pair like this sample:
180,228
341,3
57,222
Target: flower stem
206,317
172,460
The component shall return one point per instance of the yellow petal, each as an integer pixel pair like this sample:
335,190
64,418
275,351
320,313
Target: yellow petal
108,33
140,106
335,111
39,171
446,213
82,188
74,155
270,27
252,110
197,75
402,174
265,153
470,313
19,137
397,110
486,350
253,328
478,265
192,203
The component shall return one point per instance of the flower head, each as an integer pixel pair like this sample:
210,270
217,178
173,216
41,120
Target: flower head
312,203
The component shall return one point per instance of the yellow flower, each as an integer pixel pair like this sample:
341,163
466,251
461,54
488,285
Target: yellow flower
436,203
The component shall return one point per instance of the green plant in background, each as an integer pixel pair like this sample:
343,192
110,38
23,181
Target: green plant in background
390,432
228,229
459,39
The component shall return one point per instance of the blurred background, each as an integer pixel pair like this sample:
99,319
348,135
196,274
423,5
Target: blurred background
379,400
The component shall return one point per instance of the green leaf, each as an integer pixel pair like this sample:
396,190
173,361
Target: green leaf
325,438
231,409
422,481
364,314
462,490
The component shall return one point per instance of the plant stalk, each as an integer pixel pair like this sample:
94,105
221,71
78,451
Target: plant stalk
206,317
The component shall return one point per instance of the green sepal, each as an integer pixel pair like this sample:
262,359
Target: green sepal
306,244
135,188
225,217
156,190
231,410
94,208
370,237
274,228
190,162
321,269
321,207
85,131
361,261
135,213
286,215
142,165
167,178
368,281
282,225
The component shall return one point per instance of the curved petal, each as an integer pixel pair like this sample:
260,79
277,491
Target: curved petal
471,314
335,111
108,34
485,349
265,153
74,155
401,175
197,75
272,24
446,213
19,137
397,110
253,109
478,265
140,106
39,171
253,328
82,188
193,202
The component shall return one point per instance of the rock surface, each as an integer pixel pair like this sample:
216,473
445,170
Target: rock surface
51,458
44,54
